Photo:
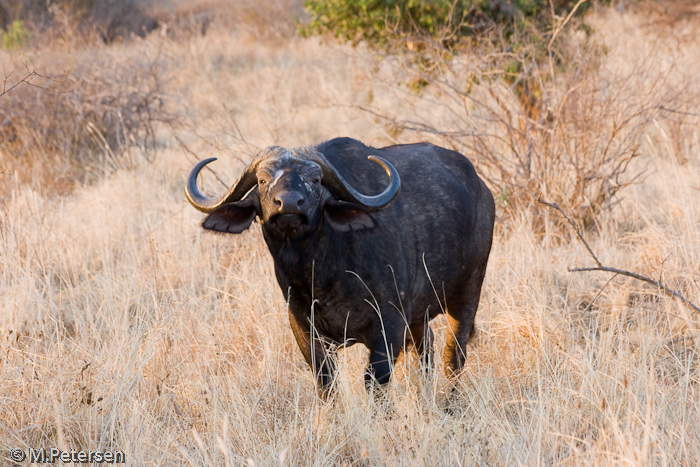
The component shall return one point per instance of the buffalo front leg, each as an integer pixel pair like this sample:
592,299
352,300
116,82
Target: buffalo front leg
382,357
422,338
316,354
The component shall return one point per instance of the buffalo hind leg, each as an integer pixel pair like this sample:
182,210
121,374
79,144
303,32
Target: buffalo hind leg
460,318
317,355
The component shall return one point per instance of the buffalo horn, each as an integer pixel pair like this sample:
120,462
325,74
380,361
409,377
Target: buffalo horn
206,204
331,178
344,191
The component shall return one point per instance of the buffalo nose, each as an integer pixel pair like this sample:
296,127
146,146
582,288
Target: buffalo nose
289,201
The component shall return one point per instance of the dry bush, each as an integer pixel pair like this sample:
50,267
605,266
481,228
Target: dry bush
109,98
116,21
565,125
270,19
109,20
78,125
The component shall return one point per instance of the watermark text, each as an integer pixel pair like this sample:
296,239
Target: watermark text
53,455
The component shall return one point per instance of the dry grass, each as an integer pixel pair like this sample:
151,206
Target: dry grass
125,326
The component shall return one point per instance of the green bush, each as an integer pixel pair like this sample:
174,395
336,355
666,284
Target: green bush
15,36
378,21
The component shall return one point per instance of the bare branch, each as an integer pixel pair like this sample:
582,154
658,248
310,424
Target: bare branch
675,111
667,290
187,150
26,80
574,226
659,284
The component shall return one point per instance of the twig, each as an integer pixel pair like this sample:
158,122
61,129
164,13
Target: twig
675,111
192,153
27,79
600,292
561,26
575,227
667,290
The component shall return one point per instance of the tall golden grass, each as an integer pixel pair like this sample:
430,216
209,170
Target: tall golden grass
125,326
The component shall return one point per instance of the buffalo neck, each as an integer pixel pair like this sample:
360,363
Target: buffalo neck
308,262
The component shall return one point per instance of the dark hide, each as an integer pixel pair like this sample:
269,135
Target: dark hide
374,278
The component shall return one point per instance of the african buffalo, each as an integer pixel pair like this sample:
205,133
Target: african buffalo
357,267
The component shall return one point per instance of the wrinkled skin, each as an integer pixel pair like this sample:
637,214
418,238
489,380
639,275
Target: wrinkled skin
351,275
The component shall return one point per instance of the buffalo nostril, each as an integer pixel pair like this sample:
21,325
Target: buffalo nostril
289,201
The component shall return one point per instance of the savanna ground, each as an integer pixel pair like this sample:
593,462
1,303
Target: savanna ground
125,326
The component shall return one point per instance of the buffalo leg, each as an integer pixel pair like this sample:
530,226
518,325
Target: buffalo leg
422,339
460,318
316,354
382,357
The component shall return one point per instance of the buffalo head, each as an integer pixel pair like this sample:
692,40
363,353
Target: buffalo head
291,192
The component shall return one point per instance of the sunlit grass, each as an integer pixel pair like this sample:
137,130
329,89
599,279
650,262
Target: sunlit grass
126,326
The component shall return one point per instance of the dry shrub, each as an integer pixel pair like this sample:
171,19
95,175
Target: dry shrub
110,90
274,19
563,123
111,20
116,21
81,122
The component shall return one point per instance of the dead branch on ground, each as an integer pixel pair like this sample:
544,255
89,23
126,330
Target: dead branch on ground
599,267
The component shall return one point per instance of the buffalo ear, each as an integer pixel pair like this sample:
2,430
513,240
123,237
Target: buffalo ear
231,218
344,217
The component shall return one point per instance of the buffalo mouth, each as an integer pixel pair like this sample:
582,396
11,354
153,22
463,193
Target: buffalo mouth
289,223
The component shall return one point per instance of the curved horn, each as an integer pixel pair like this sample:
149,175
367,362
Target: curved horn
338,185
206,204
